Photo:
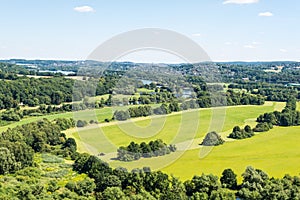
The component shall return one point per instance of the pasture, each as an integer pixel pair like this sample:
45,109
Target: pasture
174,128
275,152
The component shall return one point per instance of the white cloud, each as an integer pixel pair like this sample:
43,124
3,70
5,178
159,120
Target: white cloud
249,46
265,14
84,9
197,34
283,50
228,43
240,1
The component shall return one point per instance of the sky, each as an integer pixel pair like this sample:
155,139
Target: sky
228,30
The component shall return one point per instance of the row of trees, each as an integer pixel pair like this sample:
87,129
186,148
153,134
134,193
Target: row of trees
143,183
143,111
202,96
145,98
272,92
231,98
140,111
135,151
16,114
289,116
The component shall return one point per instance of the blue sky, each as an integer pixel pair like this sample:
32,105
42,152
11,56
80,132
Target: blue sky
226,29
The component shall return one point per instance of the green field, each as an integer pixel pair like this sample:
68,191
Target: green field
174,128
275,152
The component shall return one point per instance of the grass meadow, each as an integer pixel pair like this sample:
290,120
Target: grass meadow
275,152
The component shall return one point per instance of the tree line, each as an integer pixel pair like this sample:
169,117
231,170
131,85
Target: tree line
289,116
118,183
16,114
272,92
230,98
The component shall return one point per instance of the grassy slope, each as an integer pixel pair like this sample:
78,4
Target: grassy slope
275,152
175,128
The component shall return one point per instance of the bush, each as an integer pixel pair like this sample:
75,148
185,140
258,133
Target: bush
262,127
238,133
81,123
84,187
212,139
121,115
10,115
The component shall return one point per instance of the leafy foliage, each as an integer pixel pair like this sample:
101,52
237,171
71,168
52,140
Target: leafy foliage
228,179
212,139
289,116
135,151
238,133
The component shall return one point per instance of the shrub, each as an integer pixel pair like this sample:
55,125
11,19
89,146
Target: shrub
212,139
81,123
238,133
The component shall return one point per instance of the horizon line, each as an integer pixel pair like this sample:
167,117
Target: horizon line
143,62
